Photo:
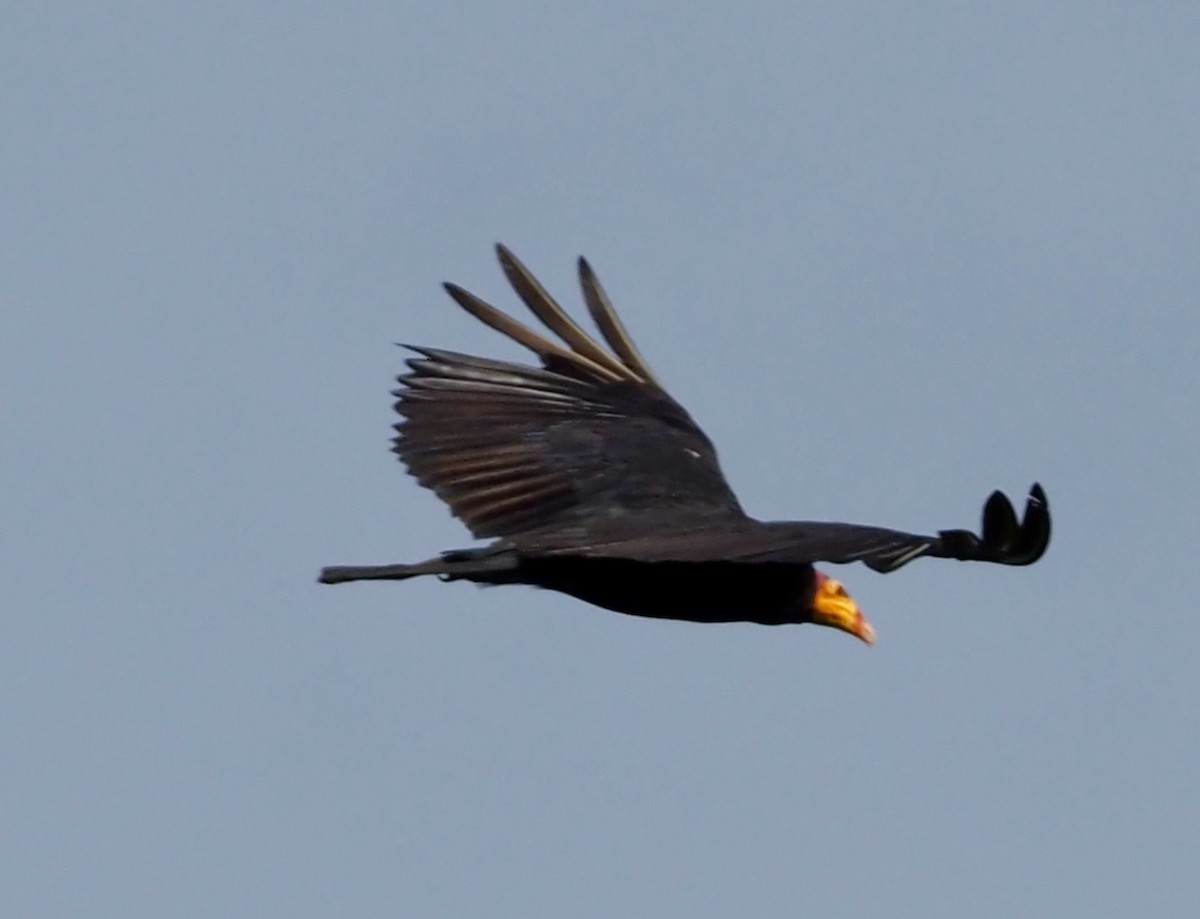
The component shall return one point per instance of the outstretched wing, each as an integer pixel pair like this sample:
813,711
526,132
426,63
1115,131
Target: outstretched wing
1003,540
587,441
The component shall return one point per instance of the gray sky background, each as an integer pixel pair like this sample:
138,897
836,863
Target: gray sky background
892,256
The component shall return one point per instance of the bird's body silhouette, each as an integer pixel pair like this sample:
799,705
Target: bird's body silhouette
592,480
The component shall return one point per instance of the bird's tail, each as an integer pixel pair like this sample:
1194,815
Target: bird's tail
343,573
460,564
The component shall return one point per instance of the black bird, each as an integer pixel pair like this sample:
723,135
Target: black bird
591,480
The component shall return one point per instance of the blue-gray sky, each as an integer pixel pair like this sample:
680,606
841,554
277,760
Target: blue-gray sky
890,256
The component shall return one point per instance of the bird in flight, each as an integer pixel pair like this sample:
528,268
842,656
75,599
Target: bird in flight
590,479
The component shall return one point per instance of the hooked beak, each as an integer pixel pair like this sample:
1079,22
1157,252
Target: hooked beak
834,607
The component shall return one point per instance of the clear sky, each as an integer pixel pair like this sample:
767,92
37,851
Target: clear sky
891,256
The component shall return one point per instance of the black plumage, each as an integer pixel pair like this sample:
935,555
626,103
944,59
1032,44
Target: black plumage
592,480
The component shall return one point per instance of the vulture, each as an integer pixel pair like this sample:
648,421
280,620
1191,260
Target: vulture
588,478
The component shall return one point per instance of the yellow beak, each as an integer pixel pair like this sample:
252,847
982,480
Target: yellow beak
833,607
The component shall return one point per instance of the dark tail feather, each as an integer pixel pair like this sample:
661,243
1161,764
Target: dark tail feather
341,574
469,564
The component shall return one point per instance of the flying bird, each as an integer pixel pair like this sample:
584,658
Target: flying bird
590,479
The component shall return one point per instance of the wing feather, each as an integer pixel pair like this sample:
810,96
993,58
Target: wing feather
610,325
549,352
586,439
542,305
1004,540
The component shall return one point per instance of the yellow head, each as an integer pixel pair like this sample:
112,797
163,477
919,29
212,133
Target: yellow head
832,606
